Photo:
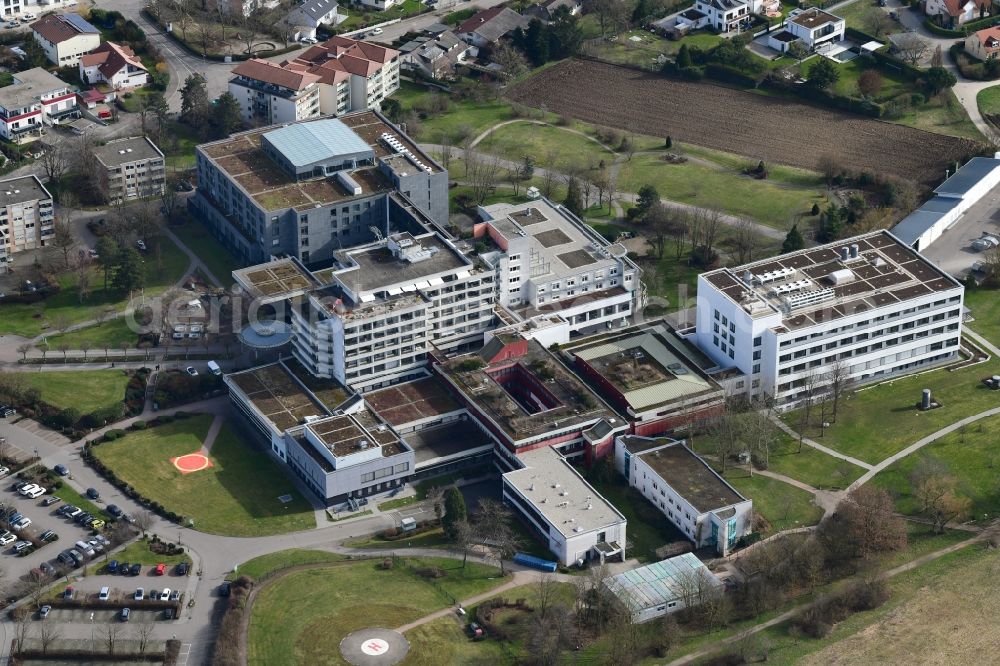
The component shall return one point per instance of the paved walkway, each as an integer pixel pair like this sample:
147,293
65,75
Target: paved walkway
816,445
921,443
213,433
983,342
824,499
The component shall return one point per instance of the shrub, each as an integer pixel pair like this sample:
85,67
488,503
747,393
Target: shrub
138,425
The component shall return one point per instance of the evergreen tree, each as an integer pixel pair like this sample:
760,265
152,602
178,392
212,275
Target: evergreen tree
156,103
793,240
641,11
536,43
195,105
107,256
129,271
823,74
683,57
669,143
227,117
564,35
454,511
647,197
574,199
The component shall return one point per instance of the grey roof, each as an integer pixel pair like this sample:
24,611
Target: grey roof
22,190
79,23
658,583
126,151
306,143
40,79
968,176
28,87
316,9
920,221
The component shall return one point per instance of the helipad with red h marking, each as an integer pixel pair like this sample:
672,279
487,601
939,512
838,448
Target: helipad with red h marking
374,647
192,462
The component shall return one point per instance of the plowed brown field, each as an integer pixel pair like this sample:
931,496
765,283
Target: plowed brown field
759,127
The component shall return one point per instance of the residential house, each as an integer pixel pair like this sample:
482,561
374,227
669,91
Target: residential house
131,168
113,64
720,15
34,99
307,17
489,25
65,37
269,93
435,56
983,44
955,13
814,27
244,7
26,217
546,9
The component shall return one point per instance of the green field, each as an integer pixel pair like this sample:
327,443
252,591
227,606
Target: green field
199,240
86,390
988,101
985,306
970,455
37,318
851,71
645,52
860,430
784,506
811,466
943,114
548,146
264,565
466,117
772,202
327,603
237,496
110,334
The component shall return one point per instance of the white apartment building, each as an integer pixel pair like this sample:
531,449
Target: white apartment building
26,217
814,27
269,94
869,305
549,262
572,518
34,99
699,502
65,37
130,168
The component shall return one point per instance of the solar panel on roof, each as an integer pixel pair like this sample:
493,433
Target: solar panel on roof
80,24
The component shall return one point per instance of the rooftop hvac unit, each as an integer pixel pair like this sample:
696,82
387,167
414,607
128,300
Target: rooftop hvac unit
807,298
778,274
841,276
789,287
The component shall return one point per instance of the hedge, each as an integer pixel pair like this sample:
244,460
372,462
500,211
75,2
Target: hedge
729,74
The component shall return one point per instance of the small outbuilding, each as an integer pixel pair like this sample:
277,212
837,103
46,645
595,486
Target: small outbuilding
664,587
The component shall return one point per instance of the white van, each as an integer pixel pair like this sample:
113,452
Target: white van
214,368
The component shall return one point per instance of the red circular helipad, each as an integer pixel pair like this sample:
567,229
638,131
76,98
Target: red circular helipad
192,462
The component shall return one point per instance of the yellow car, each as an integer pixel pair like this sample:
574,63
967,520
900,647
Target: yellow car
97,523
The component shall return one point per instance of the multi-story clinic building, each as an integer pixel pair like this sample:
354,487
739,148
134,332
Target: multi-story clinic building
312,188
26,217
869,303
131,168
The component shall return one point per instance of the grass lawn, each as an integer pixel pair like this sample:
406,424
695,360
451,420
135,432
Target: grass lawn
625,51
397,503
939,613
970,455
237,496
648,528
284,559
985,306
86,390
851,71
784,506
70,496
945,115
138,552
327,603
810,466
110,334
547,145
466,117
430,539
200,240
860,430
771,202
179,149
988,100
165,264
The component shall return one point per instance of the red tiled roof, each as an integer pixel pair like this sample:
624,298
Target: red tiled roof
338,57
470,24
955,7
984,37
268,72
111,58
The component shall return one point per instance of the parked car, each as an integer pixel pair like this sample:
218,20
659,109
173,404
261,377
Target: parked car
123,568
97,523
22,546
191,371
181,569
135,569
96,545
35,492
61,470
7,411
154,594
85,548
48,569
103,540
24,491
308,40
141,244
376,31
113,567
65,558
7,538
72,511
475,631
165,594
50,500
93,494
105,593
48,535
175,595
68,593
114,511
160,569
125,613
139,594
21,524
44,611
77,557
4,471
28,16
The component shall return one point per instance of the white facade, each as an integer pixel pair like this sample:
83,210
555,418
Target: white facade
26,217
662,469
814,26
778,343
723,15
67,52
576,523
34,99
271,107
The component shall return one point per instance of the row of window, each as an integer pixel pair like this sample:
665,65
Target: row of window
385,471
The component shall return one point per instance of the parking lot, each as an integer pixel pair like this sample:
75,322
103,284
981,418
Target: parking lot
953,251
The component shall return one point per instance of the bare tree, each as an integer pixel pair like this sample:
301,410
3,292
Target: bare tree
546,594
111,635
936,491
808,393
758,434
493,521
48,633
464,539
838,379
549,636
23,350
143,632
743,243
248,26
62,238
22,631
82,278
910,46
864,524
205,34
877,22
143,520
482,172
55,164
511,61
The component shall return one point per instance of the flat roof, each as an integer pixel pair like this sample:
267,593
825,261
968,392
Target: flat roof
124,151
968,176
922,220
560,245
571,401
303,144
659,583
816,285
274,393
558,492
347,434
22,190
419,400
377,268
685,472
446,441
813,18
330,392
276,279
644,365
